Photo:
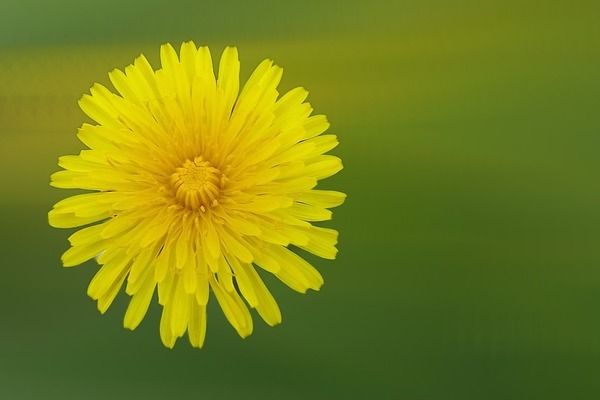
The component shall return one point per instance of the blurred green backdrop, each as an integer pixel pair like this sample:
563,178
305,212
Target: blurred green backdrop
469,263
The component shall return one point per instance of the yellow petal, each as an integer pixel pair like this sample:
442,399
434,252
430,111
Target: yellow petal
140,268
236,245
254,80
224,275
189,275
79,254
147,73
109,273
267,306
324,167
212,240
241,223
180,307
244,282
60,219
119,225
161,267
166,333
322,144
204,64
188,58
202,289
228,82
322,198
121,83
262,258
108,297
165,289
197,325
314,126
322,242
97,112
139,303
234,309
290,101
87,235
138,84
309,212
183,251
295,271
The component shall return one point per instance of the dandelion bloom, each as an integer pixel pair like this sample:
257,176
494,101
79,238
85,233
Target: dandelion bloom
194,187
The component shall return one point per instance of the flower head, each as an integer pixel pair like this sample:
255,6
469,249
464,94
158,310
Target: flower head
195,187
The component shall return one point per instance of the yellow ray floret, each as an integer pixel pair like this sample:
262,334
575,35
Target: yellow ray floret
196,185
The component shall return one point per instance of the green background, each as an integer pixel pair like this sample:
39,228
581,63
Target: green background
469,263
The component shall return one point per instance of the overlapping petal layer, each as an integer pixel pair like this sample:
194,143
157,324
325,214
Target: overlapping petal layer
195,185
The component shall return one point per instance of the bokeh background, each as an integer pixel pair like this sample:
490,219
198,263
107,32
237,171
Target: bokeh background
469,263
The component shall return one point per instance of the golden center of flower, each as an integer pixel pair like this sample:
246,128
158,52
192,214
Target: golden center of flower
197,184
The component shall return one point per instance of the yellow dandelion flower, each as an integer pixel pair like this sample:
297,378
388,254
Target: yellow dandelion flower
193,186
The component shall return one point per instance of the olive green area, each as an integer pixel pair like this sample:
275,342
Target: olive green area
469,264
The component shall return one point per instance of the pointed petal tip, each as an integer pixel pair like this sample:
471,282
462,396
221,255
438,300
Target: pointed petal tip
52,218
196,345
244,335
169,346
65,260
128,327
102,308
166,46
274,323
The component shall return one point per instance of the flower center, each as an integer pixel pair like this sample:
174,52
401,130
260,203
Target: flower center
197,184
